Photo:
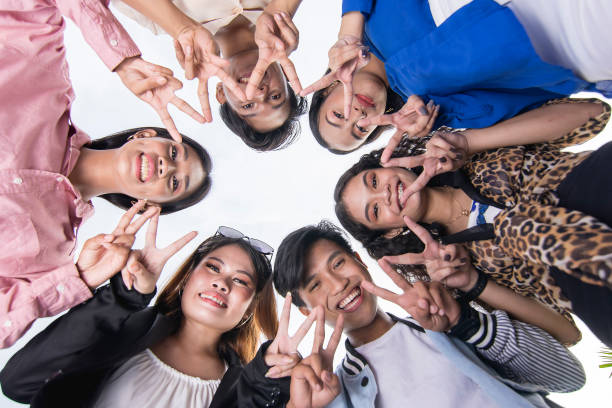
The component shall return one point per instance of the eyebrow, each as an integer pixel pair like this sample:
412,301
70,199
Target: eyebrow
186,183
367,207
186,150
238,270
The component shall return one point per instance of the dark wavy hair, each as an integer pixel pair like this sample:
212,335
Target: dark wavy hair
118,139
375,241
291,256
276,139
394,103
244,338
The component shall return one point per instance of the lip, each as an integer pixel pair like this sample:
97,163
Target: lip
138,168
204,297
354,304
365,101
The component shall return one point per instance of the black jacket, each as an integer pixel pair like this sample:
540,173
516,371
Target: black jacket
67,364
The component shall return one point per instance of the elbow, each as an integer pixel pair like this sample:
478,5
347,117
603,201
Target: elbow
12,387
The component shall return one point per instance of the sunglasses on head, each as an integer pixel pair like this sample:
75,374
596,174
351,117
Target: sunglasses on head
259,245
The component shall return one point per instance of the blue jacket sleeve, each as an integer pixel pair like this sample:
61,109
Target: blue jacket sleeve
363,6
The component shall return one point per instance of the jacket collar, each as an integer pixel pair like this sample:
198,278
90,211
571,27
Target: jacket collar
354,362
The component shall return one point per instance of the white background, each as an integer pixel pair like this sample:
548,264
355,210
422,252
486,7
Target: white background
264,195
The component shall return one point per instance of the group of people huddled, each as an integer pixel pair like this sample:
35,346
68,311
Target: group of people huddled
494,234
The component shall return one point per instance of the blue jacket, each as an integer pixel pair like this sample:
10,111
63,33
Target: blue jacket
478,65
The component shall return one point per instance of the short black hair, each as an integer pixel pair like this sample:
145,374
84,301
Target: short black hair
292,252
123,201
394,103
276,139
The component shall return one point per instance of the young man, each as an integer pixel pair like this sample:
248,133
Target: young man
482,360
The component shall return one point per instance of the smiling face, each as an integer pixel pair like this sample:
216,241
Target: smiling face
333,280
158,169
270,106
372,198
220,289
369,99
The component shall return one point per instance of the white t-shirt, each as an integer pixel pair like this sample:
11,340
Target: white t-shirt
569,33
411,372
146,381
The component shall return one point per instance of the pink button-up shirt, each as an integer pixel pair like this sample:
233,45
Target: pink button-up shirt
40,210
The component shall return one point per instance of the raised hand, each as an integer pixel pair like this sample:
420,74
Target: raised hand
313,383
445,152
105,254
282,354
145,265
346,58
197,52
277,37
156,86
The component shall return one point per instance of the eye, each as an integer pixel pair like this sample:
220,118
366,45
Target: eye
212,267
175,183
375,211
374,181
247,106
359,128
241,282
338,263
338,115
314,286
275,97
173,152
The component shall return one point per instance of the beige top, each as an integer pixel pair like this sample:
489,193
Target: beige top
212,14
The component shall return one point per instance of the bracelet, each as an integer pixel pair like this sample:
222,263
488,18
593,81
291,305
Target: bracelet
478,288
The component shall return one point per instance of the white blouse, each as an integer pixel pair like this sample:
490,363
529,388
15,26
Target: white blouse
146,381
212,14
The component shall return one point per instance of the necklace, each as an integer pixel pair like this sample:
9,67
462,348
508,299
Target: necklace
463,212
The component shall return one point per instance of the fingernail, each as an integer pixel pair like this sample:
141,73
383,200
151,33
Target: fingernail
277,16
464,260
443,159
108,237
457,267
284,14
459,156
441,312
447,257
188,50
430,103
422,110
365,52
454,150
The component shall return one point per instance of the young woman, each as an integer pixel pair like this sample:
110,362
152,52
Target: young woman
473,58
257,103
188,350
51,169
509,206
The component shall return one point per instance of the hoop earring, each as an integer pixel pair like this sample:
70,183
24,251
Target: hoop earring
245,321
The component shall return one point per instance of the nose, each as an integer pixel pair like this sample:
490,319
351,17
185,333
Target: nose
337,283
220,284
165,167
261,94
385,194
357,112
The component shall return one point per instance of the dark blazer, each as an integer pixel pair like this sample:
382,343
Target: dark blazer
68,363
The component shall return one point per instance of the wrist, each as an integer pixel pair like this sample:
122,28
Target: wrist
352,25
125,64
476,289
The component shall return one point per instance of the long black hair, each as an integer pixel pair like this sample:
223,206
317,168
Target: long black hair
275,139
375,241
118,139
394,103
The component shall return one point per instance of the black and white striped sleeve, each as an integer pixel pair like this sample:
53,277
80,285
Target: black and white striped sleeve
519,351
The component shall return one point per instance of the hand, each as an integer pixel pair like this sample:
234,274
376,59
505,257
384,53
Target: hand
277,37
105,254
282,354
445,152
198,54
429,303
346,56
155,85
313,383
145,265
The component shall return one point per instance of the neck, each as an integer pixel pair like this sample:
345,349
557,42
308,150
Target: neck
91,175
194,339
366,334
447,208
377,68
236,37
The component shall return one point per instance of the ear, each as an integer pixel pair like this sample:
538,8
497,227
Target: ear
304,310
220,94
144,133
393,232
356,255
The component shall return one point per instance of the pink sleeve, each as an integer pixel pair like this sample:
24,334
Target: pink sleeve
23,301
100,29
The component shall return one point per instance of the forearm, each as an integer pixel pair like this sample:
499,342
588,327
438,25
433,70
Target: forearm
540,125
164,13
530,311
288,6
352,25
257,390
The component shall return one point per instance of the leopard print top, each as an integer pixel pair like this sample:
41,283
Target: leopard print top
533,233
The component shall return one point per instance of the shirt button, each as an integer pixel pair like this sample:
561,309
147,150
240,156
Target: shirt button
8,323
114,43
364,381
60,288
60,179
17,180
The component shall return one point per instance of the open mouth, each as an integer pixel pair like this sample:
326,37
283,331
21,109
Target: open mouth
145,168
352,301
213,300
399,194
365,101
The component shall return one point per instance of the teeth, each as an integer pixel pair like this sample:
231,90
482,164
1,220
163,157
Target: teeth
400,193
214,299
144,167
244,80
351,296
